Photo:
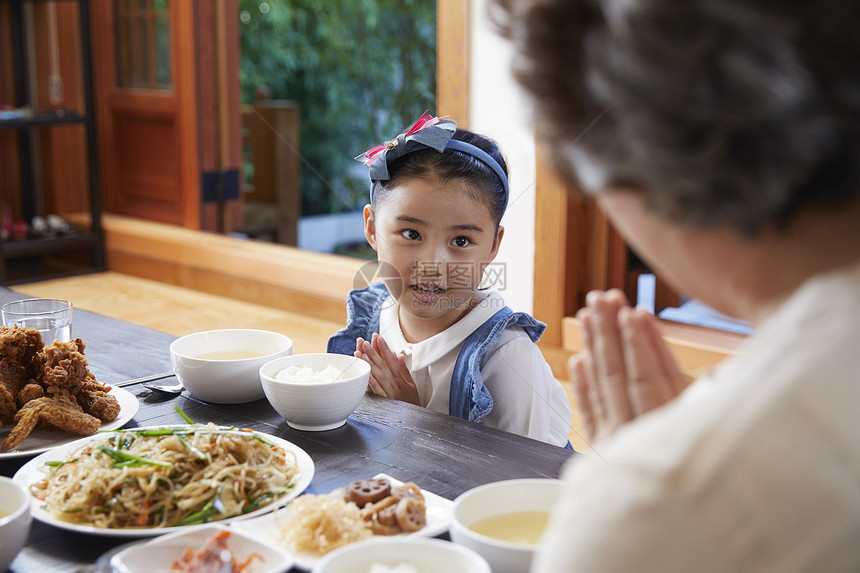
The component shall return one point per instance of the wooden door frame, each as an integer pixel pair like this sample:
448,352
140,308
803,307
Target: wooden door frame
576,248
219,105
453,50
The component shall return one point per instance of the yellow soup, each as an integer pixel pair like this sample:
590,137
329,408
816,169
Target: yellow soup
3,513
517,527
230,355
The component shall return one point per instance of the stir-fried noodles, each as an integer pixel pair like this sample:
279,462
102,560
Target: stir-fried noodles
166,477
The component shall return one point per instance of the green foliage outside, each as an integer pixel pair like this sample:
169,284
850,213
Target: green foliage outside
361,71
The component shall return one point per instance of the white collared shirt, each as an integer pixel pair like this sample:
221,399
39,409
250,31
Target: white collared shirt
527,399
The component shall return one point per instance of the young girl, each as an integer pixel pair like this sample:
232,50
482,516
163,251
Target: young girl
431,336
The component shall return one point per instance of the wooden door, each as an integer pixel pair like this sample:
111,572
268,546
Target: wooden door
166,84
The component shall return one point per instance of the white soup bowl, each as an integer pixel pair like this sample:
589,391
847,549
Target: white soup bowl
14,520
226,381
498,498
316,406
421,553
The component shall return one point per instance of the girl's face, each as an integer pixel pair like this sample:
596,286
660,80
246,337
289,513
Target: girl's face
439,239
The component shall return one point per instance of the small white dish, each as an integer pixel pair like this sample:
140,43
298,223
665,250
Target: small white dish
438,520
316,406
31,472
160,554
222,380
422,554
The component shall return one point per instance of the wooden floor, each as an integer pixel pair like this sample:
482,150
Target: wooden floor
180,311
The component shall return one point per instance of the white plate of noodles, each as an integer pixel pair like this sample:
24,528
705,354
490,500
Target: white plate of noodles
143,482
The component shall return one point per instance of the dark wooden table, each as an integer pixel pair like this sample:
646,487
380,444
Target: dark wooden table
442,454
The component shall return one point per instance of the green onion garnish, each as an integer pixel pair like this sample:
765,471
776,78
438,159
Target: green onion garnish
184,415
125,459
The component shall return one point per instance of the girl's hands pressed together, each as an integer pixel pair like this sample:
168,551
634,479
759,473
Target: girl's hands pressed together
389,375
625,370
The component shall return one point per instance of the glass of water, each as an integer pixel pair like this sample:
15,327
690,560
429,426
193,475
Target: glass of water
52,317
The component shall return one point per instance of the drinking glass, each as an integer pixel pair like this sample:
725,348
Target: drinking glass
52,317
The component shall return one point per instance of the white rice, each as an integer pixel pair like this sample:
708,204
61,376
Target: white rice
307,375
399,568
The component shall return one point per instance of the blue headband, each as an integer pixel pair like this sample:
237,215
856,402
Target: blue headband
427,133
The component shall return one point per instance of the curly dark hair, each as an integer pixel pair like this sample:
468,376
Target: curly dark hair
735,113
478,179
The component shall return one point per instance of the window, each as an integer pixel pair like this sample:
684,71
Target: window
356,72
143,44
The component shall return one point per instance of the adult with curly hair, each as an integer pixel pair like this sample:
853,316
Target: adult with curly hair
722,138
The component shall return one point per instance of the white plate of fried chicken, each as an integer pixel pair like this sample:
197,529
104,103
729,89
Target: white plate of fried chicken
48,396
41,440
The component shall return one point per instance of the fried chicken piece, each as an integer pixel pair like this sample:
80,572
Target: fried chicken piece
18,349
65,365
12,379
26,419
105,407
94,398
8,406
13,376
29,392
65,414
90,384
20,344
20,357
58,412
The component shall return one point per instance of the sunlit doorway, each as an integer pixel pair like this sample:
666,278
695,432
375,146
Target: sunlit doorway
321,82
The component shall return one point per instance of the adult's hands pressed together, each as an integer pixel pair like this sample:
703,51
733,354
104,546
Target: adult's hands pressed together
625,369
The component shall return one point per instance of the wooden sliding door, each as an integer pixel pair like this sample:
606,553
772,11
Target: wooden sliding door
168,109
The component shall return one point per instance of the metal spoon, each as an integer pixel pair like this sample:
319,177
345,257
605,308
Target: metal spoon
175,388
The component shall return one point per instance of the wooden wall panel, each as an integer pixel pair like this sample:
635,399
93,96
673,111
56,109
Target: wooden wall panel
9,182
63,176
64,148
9,178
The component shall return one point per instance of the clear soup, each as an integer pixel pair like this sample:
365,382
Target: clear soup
515,527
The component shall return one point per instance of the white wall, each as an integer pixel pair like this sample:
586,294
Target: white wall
498,110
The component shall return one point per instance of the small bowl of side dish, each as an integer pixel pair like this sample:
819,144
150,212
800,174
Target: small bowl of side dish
403,554
221,366
315,392
504,520
14,520
211,543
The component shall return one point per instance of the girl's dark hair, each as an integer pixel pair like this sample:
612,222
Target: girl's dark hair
735,113
452,166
